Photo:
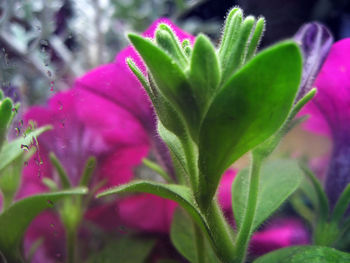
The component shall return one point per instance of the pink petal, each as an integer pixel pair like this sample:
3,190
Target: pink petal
280,233
147,212
225,189
331,105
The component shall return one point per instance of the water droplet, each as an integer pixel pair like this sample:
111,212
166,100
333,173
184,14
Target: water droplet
52,85
20,123
18,131
24,146
50,203
44,42
60,105
122,229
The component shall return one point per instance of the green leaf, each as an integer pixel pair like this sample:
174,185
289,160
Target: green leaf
89,169
305,254
178,193
251,107
205,72
323,205
14,149
170,80
158,169
165,112
341,205
175,148
278,180
15,220
182,236
234,58
168,41
124,250
62,174
5,116
9,181
256,37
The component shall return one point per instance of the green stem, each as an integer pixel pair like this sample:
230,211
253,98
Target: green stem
221,233
199,243
246,229
71,245
191,158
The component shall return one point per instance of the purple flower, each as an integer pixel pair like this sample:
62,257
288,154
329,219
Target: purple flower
315,42
330,115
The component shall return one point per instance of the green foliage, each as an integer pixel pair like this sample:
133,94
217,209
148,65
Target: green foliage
15,219
278,180
250,107
204,72
213,106
124,250
178,193
9,181
305,254
183,236
5,116
172,83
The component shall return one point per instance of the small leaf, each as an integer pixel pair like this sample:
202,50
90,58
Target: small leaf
305,254
182,236
175,148
323,205
278,180
5,116
10,179
178,193
341,206
124,250
235,57
204,72
158,169
251,107
167,40
62,174
15,220
170,79
89,169
14,149
256,37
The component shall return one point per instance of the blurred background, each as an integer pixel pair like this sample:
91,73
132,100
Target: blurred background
46,44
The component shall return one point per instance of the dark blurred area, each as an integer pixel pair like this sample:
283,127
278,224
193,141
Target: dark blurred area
284,17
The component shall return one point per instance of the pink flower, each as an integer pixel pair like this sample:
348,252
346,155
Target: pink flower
278,234
107,115
330,115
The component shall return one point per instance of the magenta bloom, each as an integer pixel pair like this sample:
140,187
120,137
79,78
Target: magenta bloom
278,234
107,115
330,115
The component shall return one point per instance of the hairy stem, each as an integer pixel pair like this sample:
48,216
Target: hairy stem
246,229
222,236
